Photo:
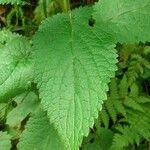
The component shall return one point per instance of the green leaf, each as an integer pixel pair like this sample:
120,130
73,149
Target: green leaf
101,141
29,104
104,137
11,1
5,143
16,71
39,134
126,20
74,63
3,107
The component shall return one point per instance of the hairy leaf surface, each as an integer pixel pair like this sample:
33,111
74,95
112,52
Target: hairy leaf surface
126,20
73,64
15,65
39,134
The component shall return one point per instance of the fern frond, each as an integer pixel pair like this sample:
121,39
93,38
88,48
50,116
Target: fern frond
130,102
134,91
123,88
115,92
143,61
138,127
134,70
136,67
114,104
143,99
127,136
111,110
104,117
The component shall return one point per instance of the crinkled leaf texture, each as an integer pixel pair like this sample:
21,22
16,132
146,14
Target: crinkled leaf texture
39,134
29,103
74,63
16,69
126,20
11,1
5,142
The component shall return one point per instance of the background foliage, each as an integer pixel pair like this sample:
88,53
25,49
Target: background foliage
124,120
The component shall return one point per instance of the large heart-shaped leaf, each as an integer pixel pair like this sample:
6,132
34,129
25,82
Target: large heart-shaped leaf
74,63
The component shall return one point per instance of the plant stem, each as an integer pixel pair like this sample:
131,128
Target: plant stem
65,5
45,8
148,146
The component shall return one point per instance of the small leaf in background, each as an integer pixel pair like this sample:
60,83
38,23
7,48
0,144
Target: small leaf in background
5,143
39,134
101,141
127,21
3,107
28,104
